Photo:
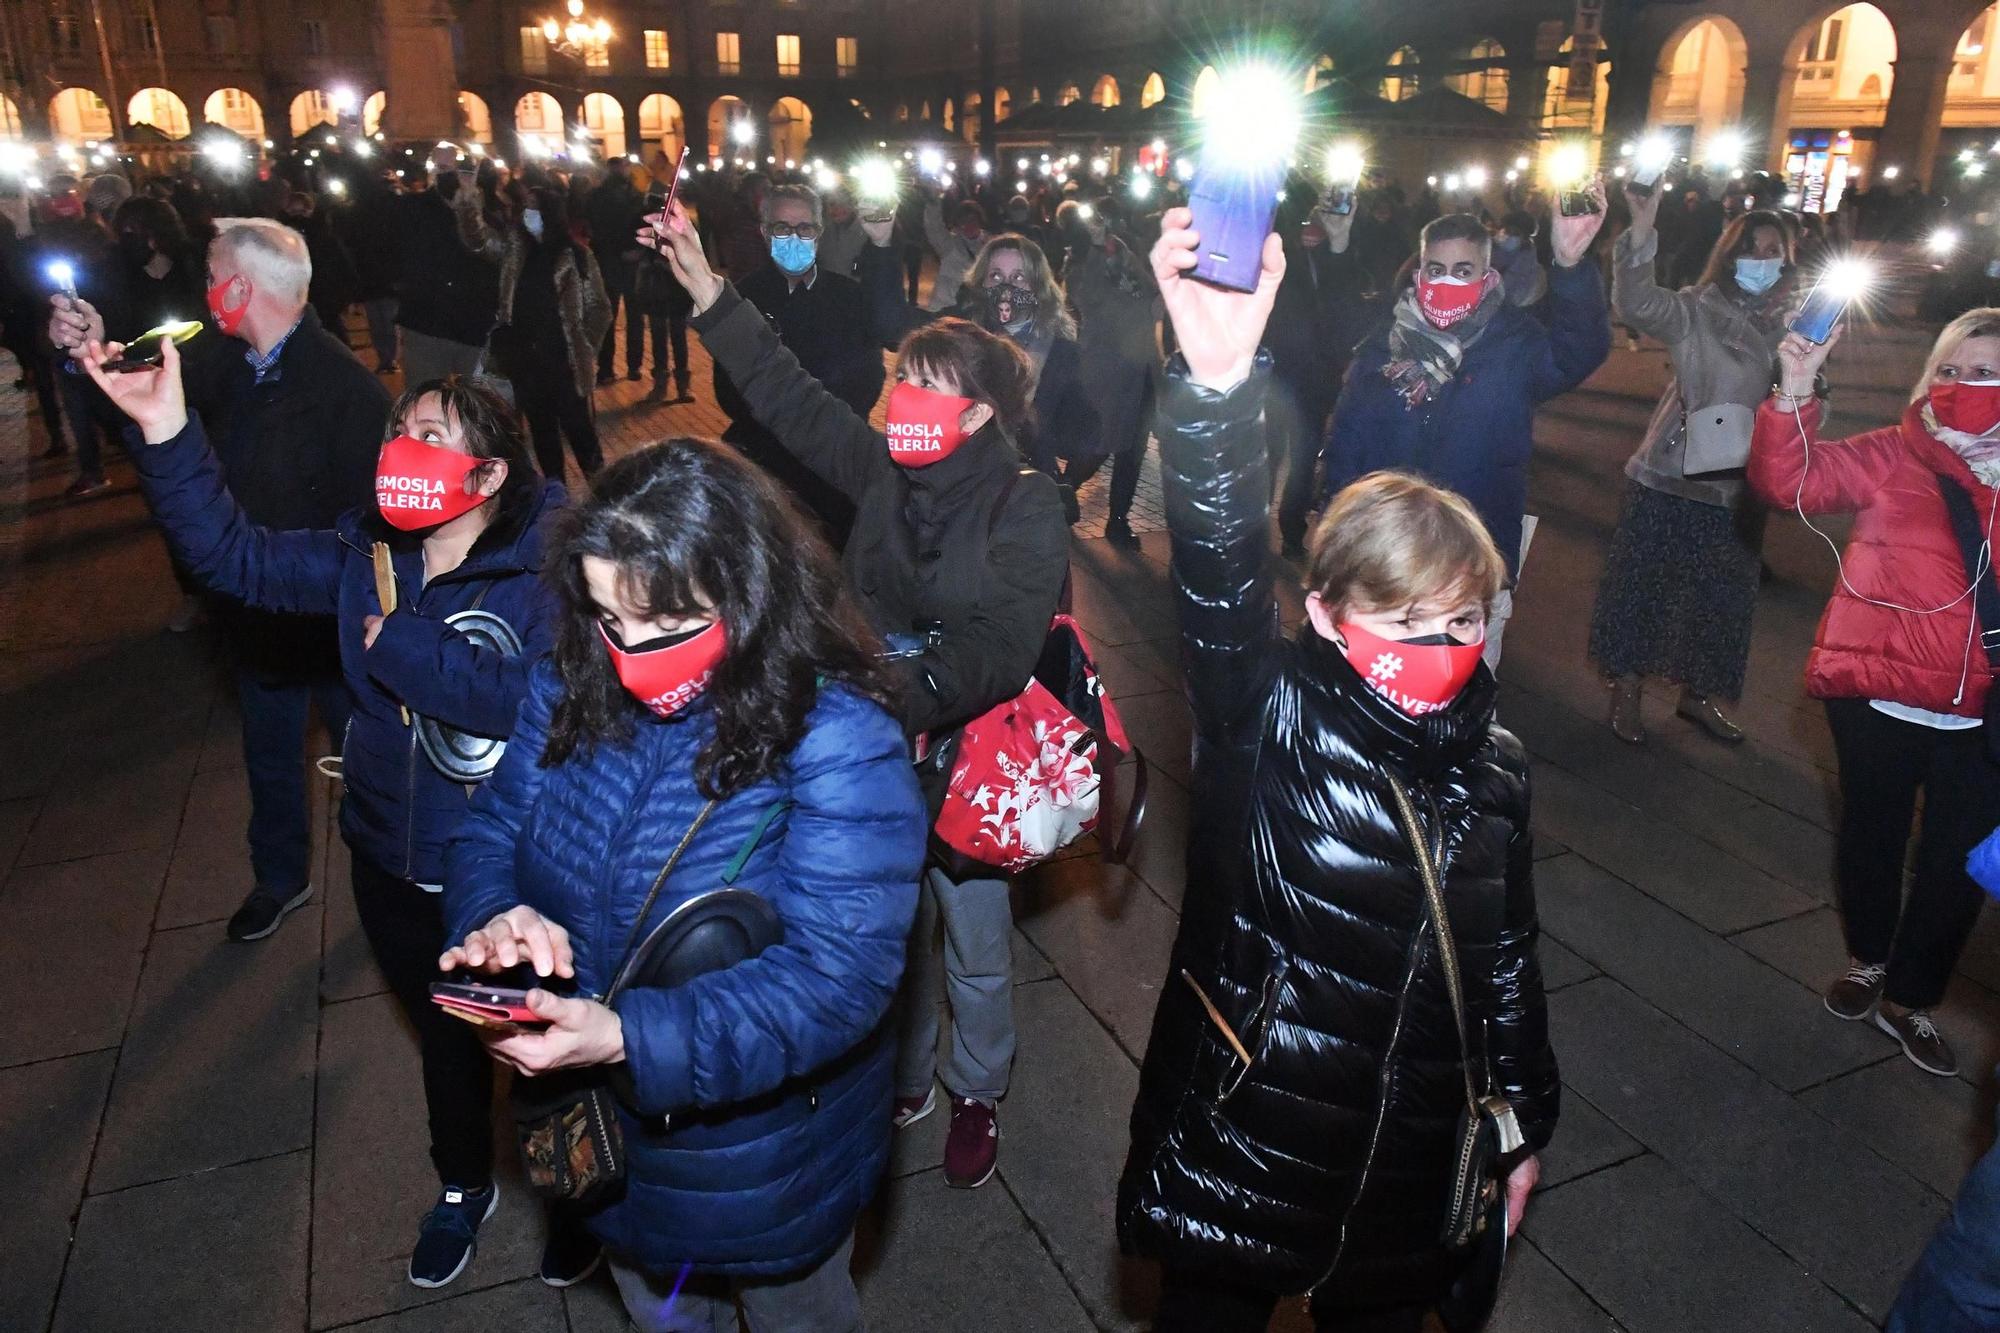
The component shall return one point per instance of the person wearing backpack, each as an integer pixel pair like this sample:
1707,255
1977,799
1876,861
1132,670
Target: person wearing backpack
958,559
1328,1029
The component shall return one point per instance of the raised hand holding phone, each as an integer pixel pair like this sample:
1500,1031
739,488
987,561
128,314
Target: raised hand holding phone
1570,235
152,397
1645,210
1799,362
1218,329
672,235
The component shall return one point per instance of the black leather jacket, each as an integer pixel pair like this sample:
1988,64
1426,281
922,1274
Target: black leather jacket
1323,1166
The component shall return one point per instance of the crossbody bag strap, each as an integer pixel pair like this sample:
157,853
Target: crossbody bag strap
1427,870
652,895
1978,564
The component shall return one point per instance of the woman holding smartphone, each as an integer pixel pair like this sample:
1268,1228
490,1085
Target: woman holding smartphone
460,512
713,690
1899,662
958,558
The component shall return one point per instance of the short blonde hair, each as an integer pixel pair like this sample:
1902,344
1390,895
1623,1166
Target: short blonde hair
1391,539
272,254
1980,322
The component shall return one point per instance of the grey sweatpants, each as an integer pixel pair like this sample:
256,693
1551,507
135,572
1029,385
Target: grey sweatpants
972,970
819,1300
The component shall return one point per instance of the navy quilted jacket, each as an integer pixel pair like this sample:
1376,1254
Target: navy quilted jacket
776,1072
398,810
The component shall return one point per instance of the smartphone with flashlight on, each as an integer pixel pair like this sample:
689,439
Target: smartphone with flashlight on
1839,285
1234,201
149,348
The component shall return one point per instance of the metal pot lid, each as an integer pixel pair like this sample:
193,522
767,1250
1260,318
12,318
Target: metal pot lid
461,755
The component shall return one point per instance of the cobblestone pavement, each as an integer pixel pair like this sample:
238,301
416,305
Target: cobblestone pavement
198,1135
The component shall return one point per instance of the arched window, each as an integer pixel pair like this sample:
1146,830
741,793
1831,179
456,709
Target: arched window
1484,83
1205,84
1153,91
161,109
1070,93
474,120
1399,86
605,119
1319,73
1104,92
235,110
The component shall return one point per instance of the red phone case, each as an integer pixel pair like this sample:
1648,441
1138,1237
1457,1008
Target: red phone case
496,1006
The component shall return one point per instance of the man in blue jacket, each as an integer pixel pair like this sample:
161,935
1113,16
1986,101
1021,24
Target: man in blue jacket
1449,387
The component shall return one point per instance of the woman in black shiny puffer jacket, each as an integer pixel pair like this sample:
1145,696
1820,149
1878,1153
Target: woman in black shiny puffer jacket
1323,1166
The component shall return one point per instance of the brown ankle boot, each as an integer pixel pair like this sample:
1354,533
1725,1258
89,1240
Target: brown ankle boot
1701,710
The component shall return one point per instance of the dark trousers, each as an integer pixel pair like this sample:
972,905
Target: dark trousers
546,394
1191,1304
275,713
405,930
1955,1287
670,333
913,269
1884,763
86,431
1125,467
40,371
635,335
1296,418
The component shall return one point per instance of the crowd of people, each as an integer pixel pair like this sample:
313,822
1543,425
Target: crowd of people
749,663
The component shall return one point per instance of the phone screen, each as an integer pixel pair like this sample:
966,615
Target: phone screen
1234,203
1340,200
1822,310
1578,203
146,350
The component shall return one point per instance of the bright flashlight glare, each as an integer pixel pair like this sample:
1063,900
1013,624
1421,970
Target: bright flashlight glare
1569,165
1890,173
336,188
743,132
15,156
1725,151
1454,183
1142,187
826,179
1654,155
1974,170
982,167
362,148
1475,178
1345,163
931,160
1255,107
63,274
1086,212
1184,169
1942,242
1848,278
875,179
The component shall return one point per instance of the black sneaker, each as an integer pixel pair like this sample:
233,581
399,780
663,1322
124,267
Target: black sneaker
571,1253
1852,997
1119,533
445,1238
1920,1040
263,910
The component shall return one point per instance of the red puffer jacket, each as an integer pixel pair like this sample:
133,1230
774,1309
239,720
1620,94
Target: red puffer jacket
1901,550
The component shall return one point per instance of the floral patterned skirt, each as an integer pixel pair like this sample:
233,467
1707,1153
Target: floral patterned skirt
1677,595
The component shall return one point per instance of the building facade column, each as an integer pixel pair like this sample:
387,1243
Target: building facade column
422,70
1915,114
1768,82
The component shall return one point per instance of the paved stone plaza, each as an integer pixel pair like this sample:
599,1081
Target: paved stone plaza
205,1136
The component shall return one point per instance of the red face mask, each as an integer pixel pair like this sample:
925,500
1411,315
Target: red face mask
1447,300
66,207
668,674
922,424
1972,406
1417,675
419,485
229,318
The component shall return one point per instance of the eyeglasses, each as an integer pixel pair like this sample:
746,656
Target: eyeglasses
805,231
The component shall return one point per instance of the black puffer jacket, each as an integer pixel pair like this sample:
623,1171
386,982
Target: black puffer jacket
1325,1165
929,544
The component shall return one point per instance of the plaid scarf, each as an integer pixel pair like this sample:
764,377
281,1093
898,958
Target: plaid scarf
1423,358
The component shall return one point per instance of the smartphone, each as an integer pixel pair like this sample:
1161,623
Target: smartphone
656,203
148,349
1579,203
1822,310
1234,201
501,1007
1340,200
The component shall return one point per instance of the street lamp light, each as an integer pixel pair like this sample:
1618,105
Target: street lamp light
575,37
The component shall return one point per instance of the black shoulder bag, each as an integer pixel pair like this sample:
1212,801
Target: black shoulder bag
1475,1226
572,1144
1985,593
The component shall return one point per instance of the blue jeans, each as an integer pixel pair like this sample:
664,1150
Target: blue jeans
1955,1286
274,732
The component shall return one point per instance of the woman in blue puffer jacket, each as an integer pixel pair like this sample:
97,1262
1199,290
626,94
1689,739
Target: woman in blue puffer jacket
707,653
460,507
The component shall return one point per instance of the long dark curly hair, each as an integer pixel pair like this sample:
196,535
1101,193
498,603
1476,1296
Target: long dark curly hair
687,515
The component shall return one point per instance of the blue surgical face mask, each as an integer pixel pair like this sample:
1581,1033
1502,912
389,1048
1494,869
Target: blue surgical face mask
793,254
1507,244
1757,276
531,218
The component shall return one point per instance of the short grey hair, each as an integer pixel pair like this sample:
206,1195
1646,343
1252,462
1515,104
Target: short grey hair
271,253
804,194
